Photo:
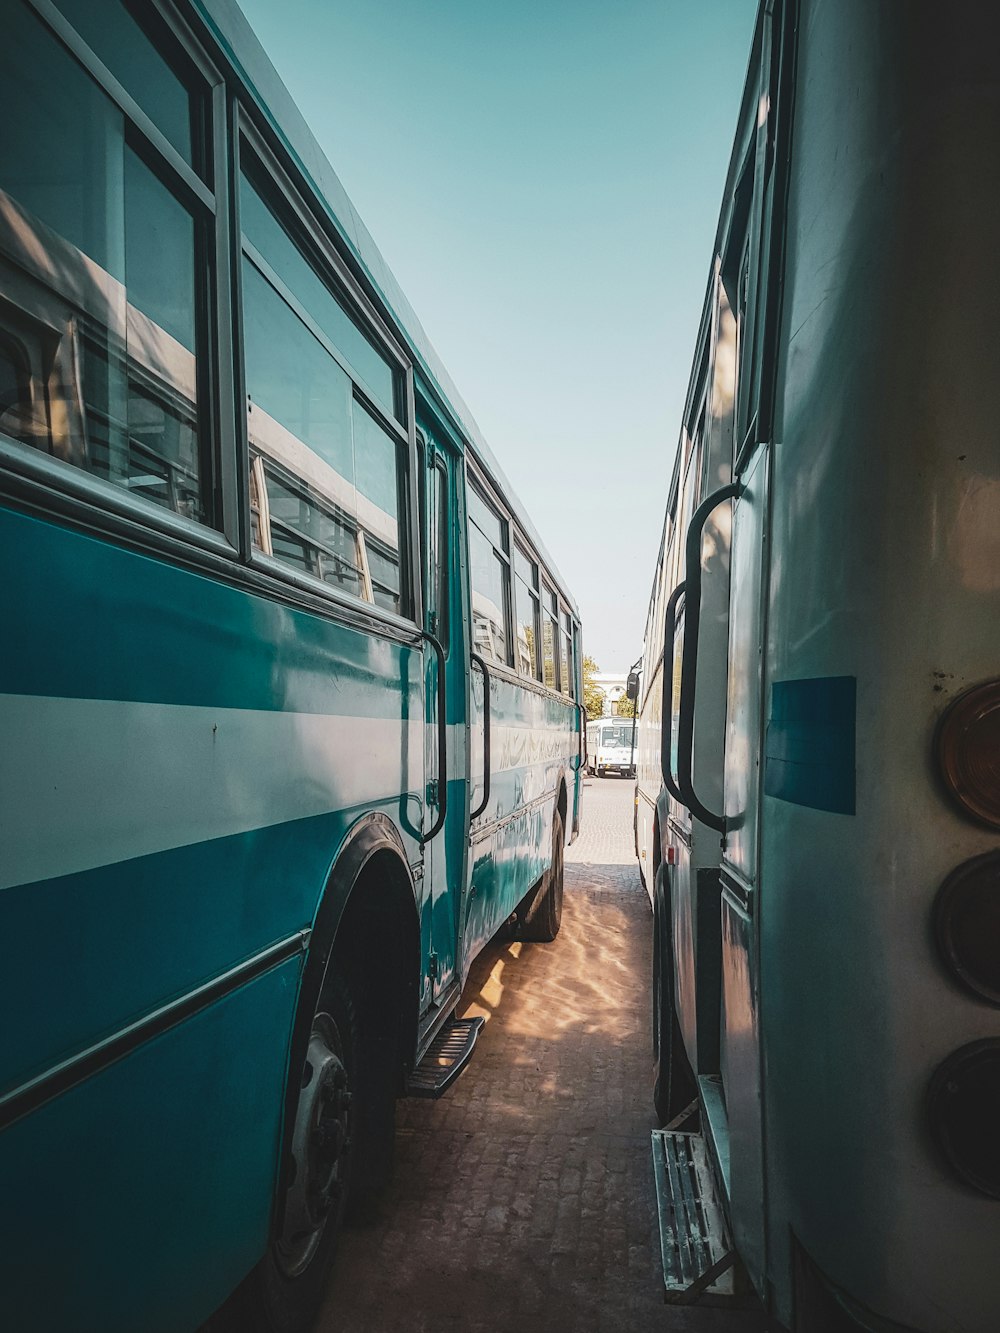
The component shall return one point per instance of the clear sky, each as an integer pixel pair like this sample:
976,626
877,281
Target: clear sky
543,178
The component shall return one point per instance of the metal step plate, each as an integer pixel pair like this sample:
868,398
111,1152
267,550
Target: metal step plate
446,1057
699,1263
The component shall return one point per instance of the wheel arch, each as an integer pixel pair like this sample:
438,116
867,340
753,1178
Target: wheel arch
562,800
368,904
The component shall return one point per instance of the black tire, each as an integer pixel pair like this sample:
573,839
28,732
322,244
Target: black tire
540,916
674,1086
285,1290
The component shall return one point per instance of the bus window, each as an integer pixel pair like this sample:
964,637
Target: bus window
270,239
566,652
156,78
332,469
526,608
438,553
489,574
550,634
104,276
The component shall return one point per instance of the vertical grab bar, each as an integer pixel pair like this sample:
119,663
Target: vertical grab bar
442,721
689,653
667,693
583,755
487,758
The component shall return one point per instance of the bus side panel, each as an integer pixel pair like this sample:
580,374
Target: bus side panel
533,741
886,478
120,938
182,744
117,1190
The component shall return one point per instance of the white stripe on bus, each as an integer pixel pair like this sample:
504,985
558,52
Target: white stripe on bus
92,782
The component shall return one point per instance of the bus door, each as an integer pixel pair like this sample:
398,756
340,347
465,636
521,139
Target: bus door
748,270
445,851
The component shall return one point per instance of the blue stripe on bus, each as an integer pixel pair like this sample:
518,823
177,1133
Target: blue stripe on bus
810,743
134,1176
122,939
83,618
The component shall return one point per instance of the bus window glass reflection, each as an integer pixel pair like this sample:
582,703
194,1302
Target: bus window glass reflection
102,273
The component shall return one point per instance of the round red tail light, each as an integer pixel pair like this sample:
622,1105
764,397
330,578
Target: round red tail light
964,1108
967,924
968,751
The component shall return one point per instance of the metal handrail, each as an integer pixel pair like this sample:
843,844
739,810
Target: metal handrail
689,653
666,687
442,721
487,759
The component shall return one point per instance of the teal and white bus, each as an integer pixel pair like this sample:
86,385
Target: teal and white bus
818,797
289,685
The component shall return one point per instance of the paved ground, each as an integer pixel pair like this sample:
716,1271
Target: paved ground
523,1200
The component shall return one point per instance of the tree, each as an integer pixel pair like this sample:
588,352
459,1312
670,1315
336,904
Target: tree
593,695
625,706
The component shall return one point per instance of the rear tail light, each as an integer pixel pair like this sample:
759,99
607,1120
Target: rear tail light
964,1107
968,751
967,924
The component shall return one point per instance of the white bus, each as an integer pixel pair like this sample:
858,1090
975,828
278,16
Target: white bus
818,804
610,747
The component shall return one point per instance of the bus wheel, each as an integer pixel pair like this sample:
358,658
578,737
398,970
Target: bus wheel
674,1085
543,910
284,1292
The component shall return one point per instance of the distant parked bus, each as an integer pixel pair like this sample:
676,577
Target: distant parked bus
818,800
610,747
289,685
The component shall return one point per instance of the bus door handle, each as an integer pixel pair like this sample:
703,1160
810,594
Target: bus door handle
689,653
487,759
667,692
442,722
582,710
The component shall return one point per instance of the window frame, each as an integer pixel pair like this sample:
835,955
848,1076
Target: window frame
62,489
275,185
518,541
550,595
477,481
567,687
521,548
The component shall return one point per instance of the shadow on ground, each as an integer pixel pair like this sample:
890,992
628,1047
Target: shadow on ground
523,1200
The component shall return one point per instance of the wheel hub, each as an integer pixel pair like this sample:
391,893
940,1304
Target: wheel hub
321,1142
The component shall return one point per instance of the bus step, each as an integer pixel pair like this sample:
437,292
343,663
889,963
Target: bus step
446,1057
699,1262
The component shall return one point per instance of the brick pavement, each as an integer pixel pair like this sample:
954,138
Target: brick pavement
523,1201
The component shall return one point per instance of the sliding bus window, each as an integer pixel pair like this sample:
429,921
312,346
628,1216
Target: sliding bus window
328,464
103,269
283,259
526,614
489,575
550,636
437,524
150,66
566,673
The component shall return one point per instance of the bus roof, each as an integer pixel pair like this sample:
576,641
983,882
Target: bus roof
250,61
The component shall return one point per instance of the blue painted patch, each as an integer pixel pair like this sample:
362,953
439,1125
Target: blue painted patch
810,744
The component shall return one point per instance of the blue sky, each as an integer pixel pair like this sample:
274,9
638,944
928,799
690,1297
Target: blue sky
544,180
